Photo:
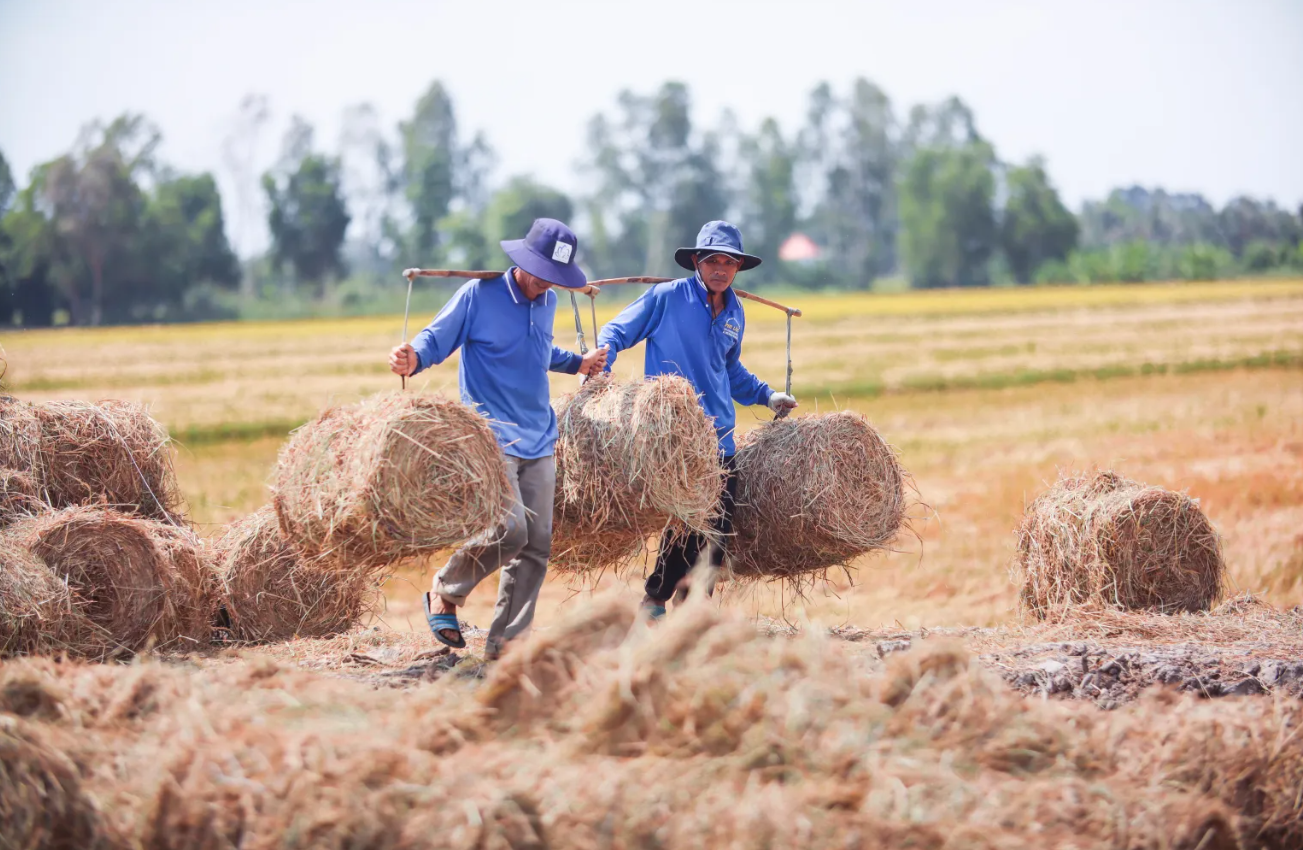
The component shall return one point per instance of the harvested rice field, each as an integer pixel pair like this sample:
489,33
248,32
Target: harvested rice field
921,698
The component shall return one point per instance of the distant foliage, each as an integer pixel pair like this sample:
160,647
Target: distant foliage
861,192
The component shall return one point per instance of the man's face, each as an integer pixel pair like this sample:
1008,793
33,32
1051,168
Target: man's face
717,270
531,286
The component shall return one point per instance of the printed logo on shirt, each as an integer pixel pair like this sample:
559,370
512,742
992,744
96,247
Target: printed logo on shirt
561,252
732,328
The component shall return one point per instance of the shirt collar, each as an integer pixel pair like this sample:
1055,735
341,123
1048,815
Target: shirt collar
515,290
730,297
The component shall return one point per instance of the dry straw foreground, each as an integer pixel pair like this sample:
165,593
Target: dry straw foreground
600,732
388,478
270,591
814,492
1109,541
631,457
144,583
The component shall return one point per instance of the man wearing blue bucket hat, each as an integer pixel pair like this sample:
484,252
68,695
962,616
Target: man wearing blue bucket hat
693,327
503,327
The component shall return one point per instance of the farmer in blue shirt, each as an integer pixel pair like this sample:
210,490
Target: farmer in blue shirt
503,327
693,327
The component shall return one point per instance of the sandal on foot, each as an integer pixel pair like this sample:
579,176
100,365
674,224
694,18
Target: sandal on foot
440,623
654,612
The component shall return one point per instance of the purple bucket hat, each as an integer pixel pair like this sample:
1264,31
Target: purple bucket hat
548,252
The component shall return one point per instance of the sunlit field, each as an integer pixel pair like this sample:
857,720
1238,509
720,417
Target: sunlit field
986,394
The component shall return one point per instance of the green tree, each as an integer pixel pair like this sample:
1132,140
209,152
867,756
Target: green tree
188,239
770,205
308,216
438,170
1036,227
947,215
7,188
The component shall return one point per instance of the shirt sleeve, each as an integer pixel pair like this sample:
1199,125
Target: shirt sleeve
745,387
634,324
565,361
447,332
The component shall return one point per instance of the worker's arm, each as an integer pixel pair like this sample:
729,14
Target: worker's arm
745,387
634,324
444,335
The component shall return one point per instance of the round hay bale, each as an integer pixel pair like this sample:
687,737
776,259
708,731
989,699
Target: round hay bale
39,613
20,496
42,802
814,492
271,592
20,437
144,582
110,452
1108,540
630,457
391,477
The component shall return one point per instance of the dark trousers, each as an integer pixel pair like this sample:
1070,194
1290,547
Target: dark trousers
679,553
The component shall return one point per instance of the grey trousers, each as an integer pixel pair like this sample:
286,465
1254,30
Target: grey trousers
520,547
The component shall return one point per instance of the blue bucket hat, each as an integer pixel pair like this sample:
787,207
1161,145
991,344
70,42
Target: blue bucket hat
548,252
717,237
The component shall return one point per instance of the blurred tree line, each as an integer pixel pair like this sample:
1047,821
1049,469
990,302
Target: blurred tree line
857,192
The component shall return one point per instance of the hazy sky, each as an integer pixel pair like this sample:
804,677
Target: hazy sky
1187,94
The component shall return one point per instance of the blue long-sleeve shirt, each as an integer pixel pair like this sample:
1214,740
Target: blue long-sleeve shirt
507,351
683,338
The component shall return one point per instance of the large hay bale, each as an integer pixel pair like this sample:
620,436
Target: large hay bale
388,478
814,492
20,496
20,437
145,583
110,452
271,592
1107,540
39,612
42,801
631,457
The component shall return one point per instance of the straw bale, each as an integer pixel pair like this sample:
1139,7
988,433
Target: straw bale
389,478
144,582
271,592
39,613
814,492
631,457
1105,540
110,452
43,803
20,437
20,496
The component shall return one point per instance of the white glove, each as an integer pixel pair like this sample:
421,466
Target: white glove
781,401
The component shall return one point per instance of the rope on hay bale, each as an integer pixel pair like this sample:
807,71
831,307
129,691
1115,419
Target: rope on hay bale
39,613
1107,540
271,592
814,492
110,452
144,582
388,478
20,496
630,457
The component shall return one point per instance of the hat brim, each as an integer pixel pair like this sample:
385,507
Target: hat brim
567,275
683,257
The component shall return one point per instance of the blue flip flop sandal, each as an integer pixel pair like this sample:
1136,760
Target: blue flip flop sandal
439,623
654,612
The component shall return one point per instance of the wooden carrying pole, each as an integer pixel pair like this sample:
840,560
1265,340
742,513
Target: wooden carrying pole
741,293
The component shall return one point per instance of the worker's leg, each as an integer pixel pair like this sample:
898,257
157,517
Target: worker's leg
475,561
522,578
723,528
678,555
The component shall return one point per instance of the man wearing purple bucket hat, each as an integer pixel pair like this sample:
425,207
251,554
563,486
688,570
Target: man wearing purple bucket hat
503,327
693,327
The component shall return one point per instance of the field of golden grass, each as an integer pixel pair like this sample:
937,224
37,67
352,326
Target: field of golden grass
987,394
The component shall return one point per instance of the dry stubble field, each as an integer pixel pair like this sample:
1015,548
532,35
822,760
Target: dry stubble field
730,725
986,394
